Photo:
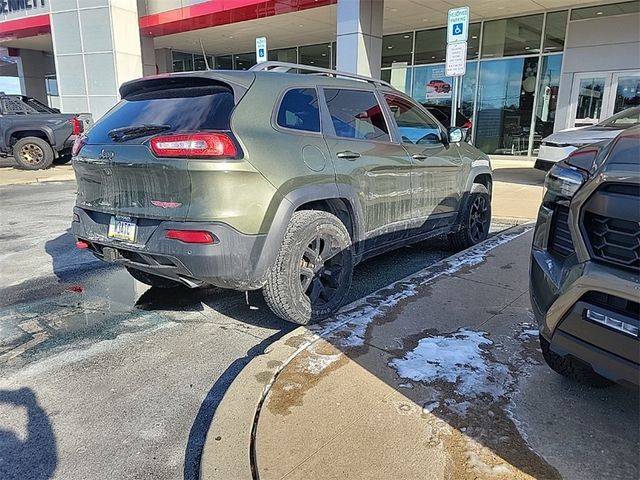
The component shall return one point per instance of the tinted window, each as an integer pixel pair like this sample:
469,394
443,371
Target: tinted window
356,114
183,109
442,117
414,124
299,110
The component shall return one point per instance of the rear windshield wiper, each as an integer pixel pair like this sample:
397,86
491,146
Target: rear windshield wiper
127,133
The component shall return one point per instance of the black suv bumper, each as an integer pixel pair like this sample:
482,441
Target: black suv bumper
582,310
235,261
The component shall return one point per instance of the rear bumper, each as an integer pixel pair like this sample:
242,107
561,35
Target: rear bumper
234,261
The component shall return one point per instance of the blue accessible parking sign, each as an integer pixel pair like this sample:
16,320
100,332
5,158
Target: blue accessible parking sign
458,28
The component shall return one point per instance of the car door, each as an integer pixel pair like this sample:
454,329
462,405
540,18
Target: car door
368,162
438,177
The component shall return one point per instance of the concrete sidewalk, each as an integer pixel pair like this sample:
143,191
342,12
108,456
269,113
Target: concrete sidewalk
15,176
438,376
517,190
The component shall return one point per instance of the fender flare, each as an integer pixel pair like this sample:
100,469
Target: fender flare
47,131
292,201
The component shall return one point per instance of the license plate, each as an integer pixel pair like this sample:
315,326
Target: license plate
122,228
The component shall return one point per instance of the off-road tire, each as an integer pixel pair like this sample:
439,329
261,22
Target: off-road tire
285,292
62,159
569,367
33,153
151,279
465,236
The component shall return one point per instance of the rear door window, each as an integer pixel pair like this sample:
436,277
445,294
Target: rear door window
184,109
356,114
299,110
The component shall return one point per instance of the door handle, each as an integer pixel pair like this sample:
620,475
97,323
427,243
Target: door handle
348,154
419,156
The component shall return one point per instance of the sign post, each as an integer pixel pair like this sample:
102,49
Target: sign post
456,63
261,49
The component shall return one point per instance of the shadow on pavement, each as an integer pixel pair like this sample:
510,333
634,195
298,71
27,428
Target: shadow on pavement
34,457
67,261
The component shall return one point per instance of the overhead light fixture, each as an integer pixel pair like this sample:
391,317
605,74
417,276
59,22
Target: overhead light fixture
389,47
324,54
433,56
474,36
527,48
599,13
406,36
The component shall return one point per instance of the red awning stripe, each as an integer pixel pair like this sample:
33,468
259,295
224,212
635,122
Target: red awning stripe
25,27
220,12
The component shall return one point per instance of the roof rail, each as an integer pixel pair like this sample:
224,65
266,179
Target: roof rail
284,67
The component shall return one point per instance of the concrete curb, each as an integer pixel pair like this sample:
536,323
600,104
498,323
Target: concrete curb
228,448
515,221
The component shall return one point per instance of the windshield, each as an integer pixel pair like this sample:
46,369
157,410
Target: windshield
624,119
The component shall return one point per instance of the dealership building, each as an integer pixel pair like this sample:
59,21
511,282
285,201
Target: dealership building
533,66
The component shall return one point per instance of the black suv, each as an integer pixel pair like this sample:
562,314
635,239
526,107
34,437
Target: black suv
585,263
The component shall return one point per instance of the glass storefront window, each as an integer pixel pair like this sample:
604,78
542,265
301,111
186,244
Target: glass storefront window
244,61
505,105
289,55
431,86
316,55
199,64
182,62
430,46
397,49
547,98
554,32
400,78
224,62
473,41
605,10
468,89
627,93
512,36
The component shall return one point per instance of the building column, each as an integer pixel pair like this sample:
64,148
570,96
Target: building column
96,49
359,36
33,67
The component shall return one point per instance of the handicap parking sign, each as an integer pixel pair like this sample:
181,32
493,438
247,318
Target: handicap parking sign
457,28
457,24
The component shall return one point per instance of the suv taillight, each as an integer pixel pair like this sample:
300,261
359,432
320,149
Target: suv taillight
79,142
194,145
76,125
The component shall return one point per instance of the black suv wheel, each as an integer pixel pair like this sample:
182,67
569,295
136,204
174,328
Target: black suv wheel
571,368
312,272
475,219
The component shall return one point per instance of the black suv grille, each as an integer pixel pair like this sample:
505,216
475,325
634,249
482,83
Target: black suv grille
614,240
560,241
612,225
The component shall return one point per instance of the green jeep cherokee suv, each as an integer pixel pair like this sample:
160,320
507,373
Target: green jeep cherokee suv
273,180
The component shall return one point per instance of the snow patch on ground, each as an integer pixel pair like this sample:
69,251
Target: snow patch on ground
455,358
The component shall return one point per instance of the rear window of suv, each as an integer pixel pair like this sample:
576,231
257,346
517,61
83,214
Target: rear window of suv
184,109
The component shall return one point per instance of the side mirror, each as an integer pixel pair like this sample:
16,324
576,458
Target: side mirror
456,135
